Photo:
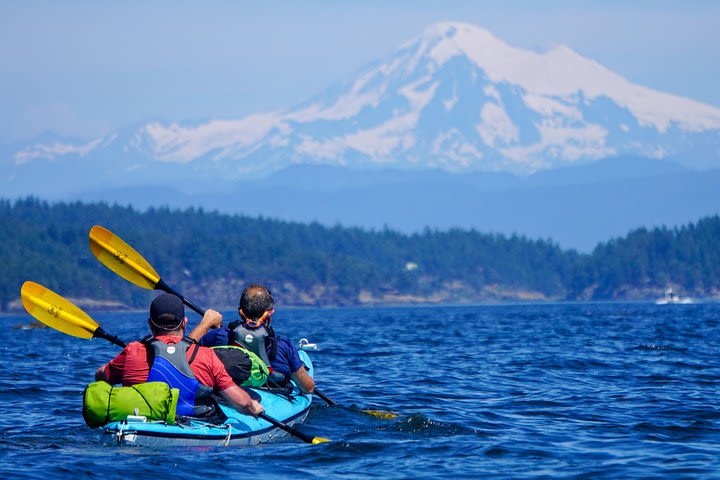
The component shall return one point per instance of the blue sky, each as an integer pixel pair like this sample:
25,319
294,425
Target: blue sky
84,68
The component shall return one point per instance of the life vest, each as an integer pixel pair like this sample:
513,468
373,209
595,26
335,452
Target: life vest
262,342
169,364
255,339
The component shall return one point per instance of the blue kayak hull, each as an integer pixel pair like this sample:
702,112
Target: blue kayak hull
238,429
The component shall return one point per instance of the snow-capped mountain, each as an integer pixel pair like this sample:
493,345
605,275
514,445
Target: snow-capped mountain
455,98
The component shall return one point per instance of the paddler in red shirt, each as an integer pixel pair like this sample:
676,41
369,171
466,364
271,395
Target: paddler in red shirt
168,356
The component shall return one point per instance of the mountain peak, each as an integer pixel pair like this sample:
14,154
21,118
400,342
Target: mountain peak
455,97
562,74
444,40
450,30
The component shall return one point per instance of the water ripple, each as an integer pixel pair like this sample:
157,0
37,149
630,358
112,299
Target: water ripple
507,391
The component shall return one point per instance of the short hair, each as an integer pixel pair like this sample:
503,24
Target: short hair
157,330
256,300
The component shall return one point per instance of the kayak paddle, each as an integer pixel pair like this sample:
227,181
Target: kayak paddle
292,431
58,313
373,413
121,258
62,315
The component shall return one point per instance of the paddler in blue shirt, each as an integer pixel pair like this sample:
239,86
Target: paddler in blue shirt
253,331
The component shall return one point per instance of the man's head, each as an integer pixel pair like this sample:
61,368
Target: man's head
256,305
167,315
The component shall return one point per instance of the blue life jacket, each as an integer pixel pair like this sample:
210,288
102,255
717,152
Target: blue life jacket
169,364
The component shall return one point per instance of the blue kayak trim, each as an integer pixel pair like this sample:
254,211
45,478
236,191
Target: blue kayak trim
220,435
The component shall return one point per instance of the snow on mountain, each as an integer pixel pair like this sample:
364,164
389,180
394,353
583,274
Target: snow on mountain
49,151
560,74
455,98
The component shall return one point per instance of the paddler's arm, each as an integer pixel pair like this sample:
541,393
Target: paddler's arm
100,374
238,398
303,380
211,319
112,372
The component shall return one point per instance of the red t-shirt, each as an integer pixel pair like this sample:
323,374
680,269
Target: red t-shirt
131,365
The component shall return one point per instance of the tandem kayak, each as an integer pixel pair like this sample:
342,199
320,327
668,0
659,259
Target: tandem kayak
238,429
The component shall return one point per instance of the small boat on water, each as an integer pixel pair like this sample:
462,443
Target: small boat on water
672,297
238,429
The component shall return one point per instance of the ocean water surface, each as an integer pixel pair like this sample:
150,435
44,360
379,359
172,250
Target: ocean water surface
618,390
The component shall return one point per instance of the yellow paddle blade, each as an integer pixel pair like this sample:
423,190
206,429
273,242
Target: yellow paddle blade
56,312
380,414
317,440
121,258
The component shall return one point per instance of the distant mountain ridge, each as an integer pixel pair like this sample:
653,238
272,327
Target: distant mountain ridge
577,207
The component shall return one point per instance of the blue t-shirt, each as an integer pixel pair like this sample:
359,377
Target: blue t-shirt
287,360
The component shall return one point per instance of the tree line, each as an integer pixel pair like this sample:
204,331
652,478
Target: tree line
213,256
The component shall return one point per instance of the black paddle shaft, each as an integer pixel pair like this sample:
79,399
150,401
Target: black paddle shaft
291,430
100,333
161,285
324,397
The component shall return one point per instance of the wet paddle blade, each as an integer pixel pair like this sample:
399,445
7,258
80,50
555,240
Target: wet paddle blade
121,258
317,440
56,312
380,414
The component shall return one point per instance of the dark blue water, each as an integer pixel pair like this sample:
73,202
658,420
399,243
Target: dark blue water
570,390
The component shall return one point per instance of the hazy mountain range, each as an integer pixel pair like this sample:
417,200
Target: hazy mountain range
454,128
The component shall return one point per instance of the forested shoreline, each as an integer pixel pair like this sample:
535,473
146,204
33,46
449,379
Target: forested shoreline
210,257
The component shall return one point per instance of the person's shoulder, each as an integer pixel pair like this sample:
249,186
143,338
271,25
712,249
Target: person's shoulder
136,345
286,347
207,352
133,349
284,341
289,353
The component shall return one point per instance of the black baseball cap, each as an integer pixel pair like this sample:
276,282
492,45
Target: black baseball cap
167,311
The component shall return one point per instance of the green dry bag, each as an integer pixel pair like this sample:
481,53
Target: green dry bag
245,368
103,403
